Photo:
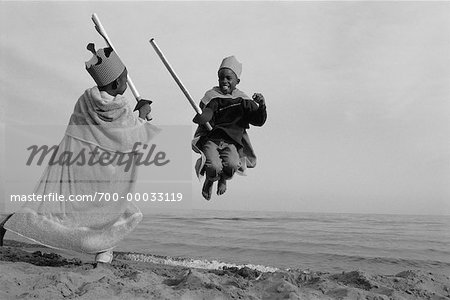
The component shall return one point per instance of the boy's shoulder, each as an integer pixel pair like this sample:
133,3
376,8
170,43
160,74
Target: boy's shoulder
215,93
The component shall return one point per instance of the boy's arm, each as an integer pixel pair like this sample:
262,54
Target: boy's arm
256,114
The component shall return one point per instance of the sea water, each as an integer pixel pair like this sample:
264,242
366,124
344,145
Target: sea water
382,244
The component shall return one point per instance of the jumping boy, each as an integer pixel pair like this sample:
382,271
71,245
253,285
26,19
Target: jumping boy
226,148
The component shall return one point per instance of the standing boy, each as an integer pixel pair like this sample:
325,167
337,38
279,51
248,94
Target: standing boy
102,119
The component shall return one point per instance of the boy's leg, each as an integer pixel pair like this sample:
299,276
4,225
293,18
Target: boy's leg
213,163
231,162
213,167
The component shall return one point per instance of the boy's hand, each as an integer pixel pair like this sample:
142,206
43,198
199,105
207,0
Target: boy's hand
144,108
203,118
259,98
196,119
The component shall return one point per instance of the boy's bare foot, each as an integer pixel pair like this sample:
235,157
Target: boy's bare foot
103,259
2,229
221,186
207,189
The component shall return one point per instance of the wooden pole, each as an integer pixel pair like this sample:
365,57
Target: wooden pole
102,31
177,80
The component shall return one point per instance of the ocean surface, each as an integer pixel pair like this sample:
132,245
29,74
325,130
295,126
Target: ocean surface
382,244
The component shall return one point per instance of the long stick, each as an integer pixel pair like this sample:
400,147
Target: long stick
177,80
102,31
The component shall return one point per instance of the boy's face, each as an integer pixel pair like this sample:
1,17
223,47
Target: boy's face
122,80
227,81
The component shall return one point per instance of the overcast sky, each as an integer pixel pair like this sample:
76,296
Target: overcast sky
358,93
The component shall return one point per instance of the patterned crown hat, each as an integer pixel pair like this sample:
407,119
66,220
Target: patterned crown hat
105,65
232,63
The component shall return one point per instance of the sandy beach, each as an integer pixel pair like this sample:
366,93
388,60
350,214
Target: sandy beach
30,271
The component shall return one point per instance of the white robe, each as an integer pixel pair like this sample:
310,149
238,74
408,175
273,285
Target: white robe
109,126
